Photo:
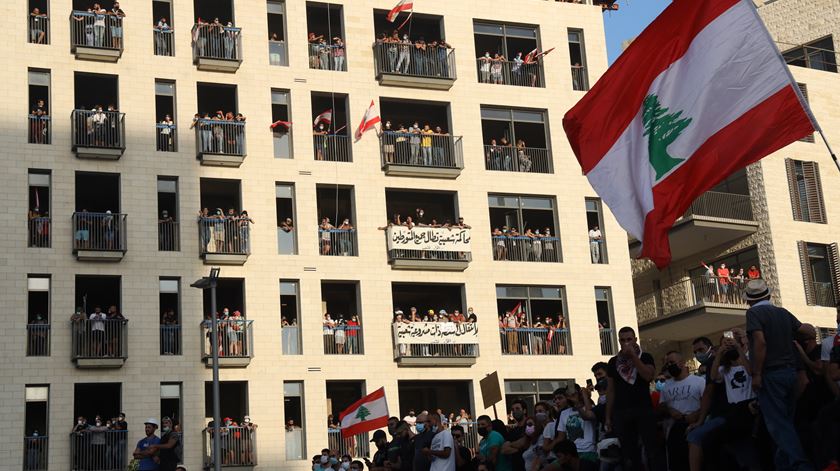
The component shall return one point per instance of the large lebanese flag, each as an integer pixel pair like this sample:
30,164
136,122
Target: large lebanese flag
366,414
368,121
701,93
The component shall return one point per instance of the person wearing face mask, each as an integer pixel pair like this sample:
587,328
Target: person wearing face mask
441,452
484,67
97,440
712,408
530,445
167,447
680,399
490,446
577,424
323,461
422,440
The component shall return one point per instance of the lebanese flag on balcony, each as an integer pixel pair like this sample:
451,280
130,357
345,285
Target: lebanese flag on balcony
531,56
403,5
367,414
324,117
284,124
368,121
700,94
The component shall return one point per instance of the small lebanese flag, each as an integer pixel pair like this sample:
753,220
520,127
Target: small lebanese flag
700,94
367,414
544,53
324,117
531,56
285,124
368,122
403,5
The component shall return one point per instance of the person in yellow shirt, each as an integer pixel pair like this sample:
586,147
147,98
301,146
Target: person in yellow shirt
426,145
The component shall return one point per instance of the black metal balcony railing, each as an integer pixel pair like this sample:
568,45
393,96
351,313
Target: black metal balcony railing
39,29
169,239
580,81
224,236
405,59
216,42
99,450
215,136
164,42
99,339
170,339
39,129
510,73
356,446
327,57
37,340
435,340
608,343
690,293
526,249
277,53
535,341
332,147
337,242
238,447
100,231
167,137
236,338
434,151
824,294
722,205
517,159
95,30
343,340
39,232
35,453
104,129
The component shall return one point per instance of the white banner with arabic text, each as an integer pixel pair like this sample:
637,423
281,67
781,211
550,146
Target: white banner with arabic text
439,239
436,333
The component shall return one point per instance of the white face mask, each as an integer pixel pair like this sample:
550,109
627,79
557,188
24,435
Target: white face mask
325,459
345,465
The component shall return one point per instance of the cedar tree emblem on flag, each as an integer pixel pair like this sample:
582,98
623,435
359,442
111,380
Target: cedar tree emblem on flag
662,129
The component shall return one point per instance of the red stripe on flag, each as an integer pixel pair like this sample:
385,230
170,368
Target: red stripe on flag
366,426
600,117
378,394
771,125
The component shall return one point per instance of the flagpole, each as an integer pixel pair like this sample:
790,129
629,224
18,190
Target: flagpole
802,101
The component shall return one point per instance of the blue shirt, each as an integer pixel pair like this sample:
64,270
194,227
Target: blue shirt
148,464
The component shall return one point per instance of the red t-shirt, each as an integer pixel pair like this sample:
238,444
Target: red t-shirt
723,273
352,332
754,274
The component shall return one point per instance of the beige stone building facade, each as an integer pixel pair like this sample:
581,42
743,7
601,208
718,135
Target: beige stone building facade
779,215
103,211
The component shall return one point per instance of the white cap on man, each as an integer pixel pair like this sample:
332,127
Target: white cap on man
152,421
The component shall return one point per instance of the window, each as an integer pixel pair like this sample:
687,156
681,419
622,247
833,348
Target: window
325,21
39,22
535,320
516,140
219,143
281,124
169,234
97,222
817,55
524,228
39,208
285,205
340,396
36,427
290,321
804,90
820,273
577,57
597,236
331,135
606,321
164,25
533,391
170,402
805,187
342,319
170,316
38,316
336,209
39,107
167,138
277,52
293,415
90,92
221,44
512,43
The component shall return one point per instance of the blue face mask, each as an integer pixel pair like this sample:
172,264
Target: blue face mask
420,428
434,428
703,357
660,385
333,460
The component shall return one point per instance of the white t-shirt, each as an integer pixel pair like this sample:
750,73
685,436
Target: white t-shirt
440,442
594,235
827,345
580,431
738,384
410,419
683,396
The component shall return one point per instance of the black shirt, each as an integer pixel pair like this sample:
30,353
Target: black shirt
517,462
400,450
778,326
423,440
466,457
168,457
816,394
628,395
380,457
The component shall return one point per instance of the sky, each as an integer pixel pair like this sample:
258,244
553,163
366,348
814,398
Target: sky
632,17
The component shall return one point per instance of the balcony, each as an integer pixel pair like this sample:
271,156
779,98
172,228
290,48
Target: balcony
332,147
89,450
236,342
217,48
526,249
39,129
435,343
167,137
99,343
401,65
355,446
241,446
170,339
690,308
164,41
713,219
99,237
38,339
223,241
535,341
169,239
98,134
39,28
323,56
428,248
519,159
580,81
338,242
516,73
342,340
39,232
95,36
220,143
444,158
36,453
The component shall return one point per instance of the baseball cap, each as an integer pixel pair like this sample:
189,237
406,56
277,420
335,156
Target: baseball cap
152,421
377,435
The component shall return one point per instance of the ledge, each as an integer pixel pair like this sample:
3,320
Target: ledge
428,83
435,361
100,362
224,259
217,65
429,264
228,362
97,54
100,255
221,160
398,170
100,153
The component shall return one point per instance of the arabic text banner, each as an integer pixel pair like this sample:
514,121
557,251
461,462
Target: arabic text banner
436,332
439,239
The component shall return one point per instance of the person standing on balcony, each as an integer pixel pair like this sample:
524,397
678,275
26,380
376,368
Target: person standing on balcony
37,26
325,229
167,126
753,273
329,333
511,325
421,62
338,53
496,69
244,221
725,283
237,334
162,37
440,142
595,244
484,67
353,328
516,69
229,40
99,15
404,60
443,58
414,142
324,54
169,323
426,145
388,142
313,40
711,283
97,332
99,120
345,241
116,19
145,450
116,321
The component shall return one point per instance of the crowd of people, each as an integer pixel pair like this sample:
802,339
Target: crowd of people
502,155
98,127
497,69
232,334
337,240
531,245
324,55
403,55
221,133
224,233
428,146
541,335
725,284
442,316
420,219
101,27
98,334
342,334
100,444
236,441
216,39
